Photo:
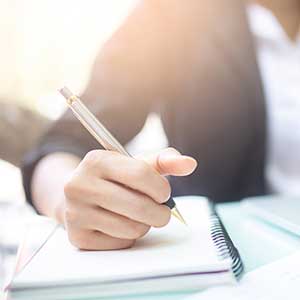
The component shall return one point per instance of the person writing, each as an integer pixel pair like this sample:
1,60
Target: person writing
213,81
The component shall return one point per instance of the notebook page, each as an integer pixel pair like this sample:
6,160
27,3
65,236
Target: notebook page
276,281
174,249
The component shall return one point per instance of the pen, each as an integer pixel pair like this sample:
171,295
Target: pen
103,136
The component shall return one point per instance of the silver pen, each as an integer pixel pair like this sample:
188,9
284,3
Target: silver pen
103,136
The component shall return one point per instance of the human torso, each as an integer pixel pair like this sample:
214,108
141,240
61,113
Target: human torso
279,62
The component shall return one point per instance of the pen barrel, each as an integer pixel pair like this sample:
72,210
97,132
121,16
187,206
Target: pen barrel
97,129
170,203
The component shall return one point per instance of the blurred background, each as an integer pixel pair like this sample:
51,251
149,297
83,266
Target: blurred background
45,45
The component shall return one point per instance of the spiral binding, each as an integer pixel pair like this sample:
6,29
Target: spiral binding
224,244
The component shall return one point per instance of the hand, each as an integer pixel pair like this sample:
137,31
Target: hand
112,200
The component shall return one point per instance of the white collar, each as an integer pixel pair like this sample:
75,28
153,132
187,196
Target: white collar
265,25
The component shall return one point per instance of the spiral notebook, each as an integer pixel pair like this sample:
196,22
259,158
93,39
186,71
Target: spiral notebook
174,258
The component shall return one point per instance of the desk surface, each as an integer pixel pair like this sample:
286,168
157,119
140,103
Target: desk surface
259,243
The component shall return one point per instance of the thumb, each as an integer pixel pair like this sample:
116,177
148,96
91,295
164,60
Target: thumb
170,162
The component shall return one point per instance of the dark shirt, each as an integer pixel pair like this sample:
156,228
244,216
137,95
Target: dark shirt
193,62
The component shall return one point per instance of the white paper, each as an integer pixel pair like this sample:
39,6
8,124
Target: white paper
174,249
277,281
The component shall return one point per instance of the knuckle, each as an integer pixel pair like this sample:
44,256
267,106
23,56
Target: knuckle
73,187
93,157
80,186
70,188
99,162
71,216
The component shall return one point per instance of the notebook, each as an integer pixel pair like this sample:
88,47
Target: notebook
173,258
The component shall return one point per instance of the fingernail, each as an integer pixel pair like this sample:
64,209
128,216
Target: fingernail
170,152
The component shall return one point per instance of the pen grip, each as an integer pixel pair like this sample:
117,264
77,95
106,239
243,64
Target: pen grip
170,203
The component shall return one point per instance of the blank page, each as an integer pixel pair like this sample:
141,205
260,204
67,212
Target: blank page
174,249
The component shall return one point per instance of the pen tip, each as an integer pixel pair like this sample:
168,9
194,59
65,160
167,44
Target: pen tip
178,215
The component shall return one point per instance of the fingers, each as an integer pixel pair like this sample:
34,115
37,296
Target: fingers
99,219
131,204
170,162
120,200
111,200
94,240
135,174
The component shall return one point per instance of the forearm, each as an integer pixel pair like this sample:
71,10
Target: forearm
48,182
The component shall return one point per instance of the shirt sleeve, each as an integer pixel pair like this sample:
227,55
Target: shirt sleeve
124,84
